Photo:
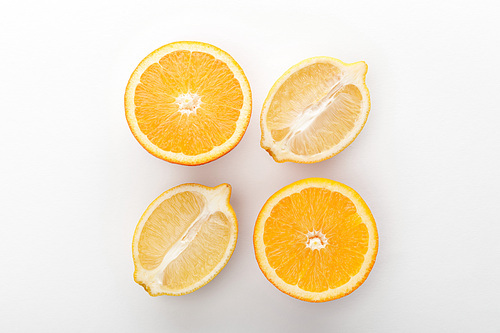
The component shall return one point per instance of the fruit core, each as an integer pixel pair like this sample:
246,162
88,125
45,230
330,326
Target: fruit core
316,240
188,103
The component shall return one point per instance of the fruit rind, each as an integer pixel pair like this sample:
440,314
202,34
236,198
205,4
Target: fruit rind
223,189
294,291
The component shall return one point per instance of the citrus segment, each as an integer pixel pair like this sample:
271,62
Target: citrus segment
202,255
184,239
316,240
188,103
315,110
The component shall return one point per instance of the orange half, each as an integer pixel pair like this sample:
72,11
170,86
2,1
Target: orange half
316,240
315,110
184,239
188,103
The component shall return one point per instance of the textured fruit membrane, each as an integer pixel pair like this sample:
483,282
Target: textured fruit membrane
314,109
188,102
182,241
310,211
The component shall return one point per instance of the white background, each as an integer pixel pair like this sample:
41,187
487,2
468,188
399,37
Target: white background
74,181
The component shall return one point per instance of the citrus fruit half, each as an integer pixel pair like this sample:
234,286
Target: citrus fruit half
315,110
316,240
184,239
188,103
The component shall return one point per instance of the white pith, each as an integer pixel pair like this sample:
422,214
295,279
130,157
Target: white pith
316,240
188,103
216,200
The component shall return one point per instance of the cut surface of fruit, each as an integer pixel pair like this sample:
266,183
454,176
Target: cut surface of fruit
316,240
184,239
188,103
315,110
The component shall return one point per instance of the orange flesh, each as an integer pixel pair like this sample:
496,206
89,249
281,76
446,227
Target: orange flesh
202,255
315,209
303,89
210,122
167,227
